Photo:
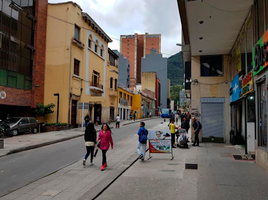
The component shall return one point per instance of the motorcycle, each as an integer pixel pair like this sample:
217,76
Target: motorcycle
5,129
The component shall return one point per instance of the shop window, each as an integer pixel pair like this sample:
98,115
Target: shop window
77,32
111,83
76,67
211,65
262,114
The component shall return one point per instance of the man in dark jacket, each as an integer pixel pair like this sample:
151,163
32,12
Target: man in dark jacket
185,124
197,128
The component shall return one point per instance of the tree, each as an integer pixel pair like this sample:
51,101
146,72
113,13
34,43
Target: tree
185,106
175,92
42,111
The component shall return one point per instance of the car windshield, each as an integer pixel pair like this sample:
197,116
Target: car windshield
12,120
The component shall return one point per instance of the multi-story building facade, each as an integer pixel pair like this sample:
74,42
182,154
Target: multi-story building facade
134,47
125,103
151,86
78,67
22,56
227,54
154,62
123,71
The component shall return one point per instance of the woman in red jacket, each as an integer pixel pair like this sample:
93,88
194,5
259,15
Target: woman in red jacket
105,137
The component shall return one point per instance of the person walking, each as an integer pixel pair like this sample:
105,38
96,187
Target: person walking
134,115
185,124
118,121
172,128
90,142
86,118
143,133
177,117
197,128
105,138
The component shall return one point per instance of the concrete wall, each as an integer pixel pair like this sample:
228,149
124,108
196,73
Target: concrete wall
210,87
156,63
123,70
148,80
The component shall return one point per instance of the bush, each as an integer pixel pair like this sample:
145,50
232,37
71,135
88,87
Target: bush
42,110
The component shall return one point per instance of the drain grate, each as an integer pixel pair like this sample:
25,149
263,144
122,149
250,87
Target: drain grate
191,166
167,170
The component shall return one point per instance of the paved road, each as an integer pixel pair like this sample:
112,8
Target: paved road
17,170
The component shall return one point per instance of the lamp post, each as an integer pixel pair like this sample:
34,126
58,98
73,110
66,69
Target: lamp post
58,103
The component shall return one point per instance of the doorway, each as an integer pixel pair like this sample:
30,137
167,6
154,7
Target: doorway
74,114
97,113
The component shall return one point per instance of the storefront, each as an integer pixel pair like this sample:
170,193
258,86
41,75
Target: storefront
260,73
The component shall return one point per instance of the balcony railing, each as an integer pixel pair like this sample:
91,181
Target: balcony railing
97,85
124,102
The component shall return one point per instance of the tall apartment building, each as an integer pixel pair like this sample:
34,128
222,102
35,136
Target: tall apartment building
136,46
22,56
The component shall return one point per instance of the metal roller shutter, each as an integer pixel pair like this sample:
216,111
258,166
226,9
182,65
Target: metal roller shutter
212,117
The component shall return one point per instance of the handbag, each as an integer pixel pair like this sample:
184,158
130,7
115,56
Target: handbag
98,144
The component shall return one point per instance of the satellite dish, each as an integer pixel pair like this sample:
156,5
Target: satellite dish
3,94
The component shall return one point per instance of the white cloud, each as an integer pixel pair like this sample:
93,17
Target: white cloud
120,17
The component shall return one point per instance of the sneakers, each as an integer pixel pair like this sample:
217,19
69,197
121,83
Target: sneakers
102,168
84,162
92,163
141,157
105,165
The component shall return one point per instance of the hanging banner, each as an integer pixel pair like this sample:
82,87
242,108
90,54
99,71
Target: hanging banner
235,88
247,84
260,54
160,141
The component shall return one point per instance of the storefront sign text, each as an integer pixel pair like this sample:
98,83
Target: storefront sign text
247,84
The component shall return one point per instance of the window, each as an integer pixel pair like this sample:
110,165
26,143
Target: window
76,67
211,65
96,46
115,84
24,121
101,52
111,83
89,42
131,101
95,78
77,32
124,96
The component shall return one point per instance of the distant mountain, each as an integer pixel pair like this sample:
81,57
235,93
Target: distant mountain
175,69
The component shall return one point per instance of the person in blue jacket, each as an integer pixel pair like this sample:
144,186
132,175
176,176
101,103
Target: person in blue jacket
143,133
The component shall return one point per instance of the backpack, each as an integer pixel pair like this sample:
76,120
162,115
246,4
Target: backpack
200,125
143,137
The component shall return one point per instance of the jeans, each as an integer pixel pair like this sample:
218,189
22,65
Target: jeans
104,157
196,138
143,149
90,150
172,139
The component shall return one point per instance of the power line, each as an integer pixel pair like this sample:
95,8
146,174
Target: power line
228,11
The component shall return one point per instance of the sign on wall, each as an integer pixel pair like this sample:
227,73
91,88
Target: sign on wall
260,54
247,84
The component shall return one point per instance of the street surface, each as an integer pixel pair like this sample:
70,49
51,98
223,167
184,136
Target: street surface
17,170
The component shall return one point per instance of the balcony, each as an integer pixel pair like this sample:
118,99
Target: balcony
123,102
96,87
113,93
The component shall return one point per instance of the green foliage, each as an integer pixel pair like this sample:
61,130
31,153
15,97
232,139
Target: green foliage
175,92
185,106
175,70
42,111
55,124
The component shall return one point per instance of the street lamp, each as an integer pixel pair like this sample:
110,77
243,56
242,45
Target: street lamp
58,103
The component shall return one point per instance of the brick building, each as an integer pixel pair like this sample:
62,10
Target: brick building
134,47
22,55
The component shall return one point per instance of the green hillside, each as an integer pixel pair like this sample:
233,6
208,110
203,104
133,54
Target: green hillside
175,69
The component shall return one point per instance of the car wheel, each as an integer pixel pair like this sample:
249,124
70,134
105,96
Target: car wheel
35,130
15,132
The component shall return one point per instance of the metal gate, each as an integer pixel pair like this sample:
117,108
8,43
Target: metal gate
212,117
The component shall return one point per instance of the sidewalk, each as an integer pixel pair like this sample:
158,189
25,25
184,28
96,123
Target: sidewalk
218,177
31,141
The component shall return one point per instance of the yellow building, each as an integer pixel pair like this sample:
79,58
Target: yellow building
77,67
126,103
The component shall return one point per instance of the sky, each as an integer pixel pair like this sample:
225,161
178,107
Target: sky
126,17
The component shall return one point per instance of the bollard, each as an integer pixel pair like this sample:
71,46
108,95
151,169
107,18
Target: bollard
1,143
